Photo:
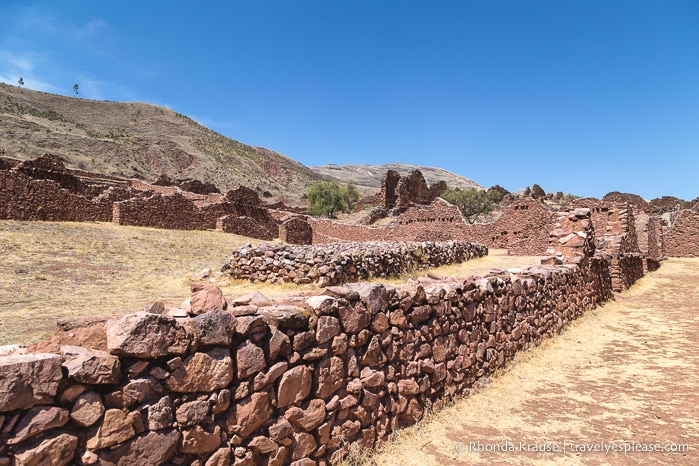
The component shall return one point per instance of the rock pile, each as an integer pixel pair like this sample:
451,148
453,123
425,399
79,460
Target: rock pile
335,263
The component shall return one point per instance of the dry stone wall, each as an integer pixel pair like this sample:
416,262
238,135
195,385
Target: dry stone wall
682,238
300,381
523,228
337,263
24,198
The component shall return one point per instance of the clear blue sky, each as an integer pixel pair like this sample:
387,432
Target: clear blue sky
579,96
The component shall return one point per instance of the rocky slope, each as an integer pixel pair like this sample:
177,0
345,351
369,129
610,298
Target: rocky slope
140,140
368,177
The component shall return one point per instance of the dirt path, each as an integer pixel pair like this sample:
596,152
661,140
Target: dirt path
625,372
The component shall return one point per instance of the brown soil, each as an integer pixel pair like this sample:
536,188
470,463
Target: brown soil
623,373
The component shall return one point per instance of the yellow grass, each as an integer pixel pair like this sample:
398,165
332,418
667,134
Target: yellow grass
52,270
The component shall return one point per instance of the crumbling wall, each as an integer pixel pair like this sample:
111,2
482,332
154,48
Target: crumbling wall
388,189
412,189
404,192
255,382
682,237
337,263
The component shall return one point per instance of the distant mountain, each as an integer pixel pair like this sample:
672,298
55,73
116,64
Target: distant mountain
369,177
141,141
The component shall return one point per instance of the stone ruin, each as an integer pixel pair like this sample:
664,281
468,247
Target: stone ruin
44,189
400,193
302,380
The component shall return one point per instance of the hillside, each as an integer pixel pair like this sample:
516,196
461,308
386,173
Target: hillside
369,177
140,141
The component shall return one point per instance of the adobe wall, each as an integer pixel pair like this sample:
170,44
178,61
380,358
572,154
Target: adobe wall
303,379
337,263
682,238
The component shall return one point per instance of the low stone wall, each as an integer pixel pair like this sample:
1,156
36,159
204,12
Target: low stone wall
296,230
336,263
682,238
302,382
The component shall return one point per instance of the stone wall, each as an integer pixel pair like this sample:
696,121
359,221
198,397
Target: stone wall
304,380
296,230
337,263
24,198
682,238
245,226
523,228
172,211
404,192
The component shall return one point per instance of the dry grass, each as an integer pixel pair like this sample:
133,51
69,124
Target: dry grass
52,270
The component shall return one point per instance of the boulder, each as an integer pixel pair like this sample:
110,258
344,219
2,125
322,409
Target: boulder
56,450
90,366
147,336
206,298
28,379
202,372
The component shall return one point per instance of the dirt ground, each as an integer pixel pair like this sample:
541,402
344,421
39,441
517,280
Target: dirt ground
624,376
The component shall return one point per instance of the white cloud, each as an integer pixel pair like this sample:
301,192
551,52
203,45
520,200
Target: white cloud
12,67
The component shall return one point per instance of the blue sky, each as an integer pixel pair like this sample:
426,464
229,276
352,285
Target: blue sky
584,97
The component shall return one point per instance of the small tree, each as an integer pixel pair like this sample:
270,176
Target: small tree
75,88
21,81
327,198
471,202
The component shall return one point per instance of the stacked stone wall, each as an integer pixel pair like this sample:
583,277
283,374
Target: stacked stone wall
24,198
296,230
682,238
306,379
523,228
246,226
337,263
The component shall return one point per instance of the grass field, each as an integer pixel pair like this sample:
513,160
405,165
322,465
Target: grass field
53,270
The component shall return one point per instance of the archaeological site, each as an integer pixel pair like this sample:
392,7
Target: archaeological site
305,379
